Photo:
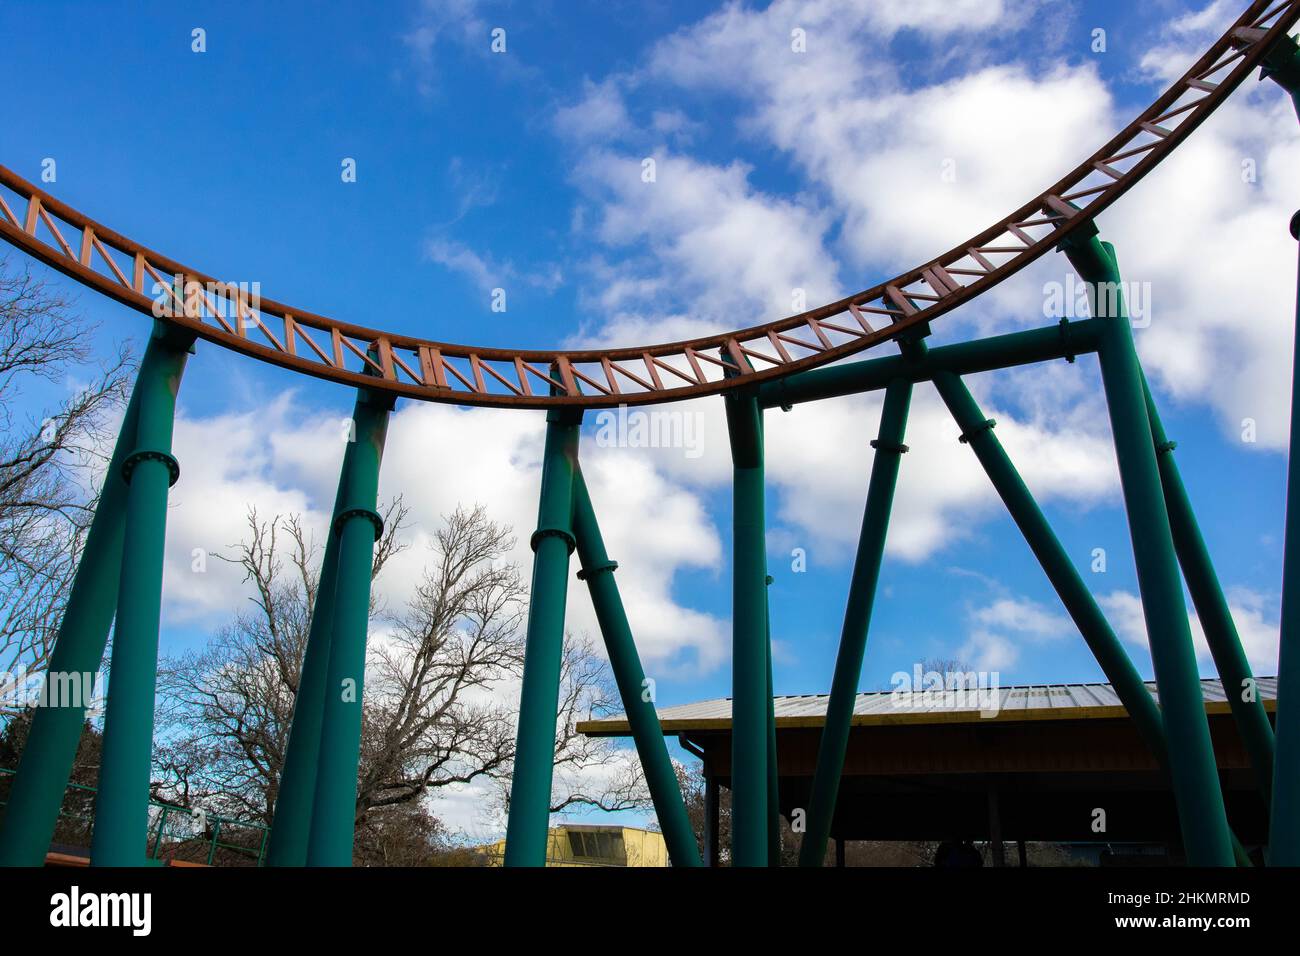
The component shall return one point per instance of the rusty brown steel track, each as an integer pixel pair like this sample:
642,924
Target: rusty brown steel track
421,369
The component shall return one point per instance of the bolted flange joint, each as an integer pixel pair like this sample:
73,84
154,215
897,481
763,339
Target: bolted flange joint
987,426
1164,447
1295,225
878,445
368,513
173,466
1065,341
586,573
541,533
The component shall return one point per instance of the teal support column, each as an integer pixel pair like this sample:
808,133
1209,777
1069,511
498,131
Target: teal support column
857,621
1212,609
358,526
1282,65
553,542
773,773
1066,339
749,694
122,803
661,779
1284,828
1192,766
291,825
977,431
27,823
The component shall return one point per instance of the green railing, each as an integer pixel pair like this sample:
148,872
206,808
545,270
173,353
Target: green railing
175,832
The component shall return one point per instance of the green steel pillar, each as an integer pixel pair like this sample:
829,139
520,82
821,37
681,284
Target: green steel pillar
1212,608
1079,603
749,693
122,801
1282,65
1192,766
553,542
291,826
598,572
1284,828
857,621
773,773
27,823
358,526
977,431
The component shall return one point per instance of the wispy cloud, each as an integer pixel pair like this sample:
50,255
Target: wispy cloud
1253,612
486,272
436,23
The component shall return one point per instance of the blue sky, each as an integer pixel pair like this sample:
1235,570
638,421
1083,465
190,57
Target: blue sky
520,170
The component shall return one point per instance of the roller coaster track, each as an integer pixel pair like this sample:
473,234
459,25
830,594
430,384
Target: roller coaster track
417,368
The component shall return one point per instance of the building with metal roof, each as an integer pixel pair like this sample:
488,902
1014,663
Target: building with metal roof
1043,762
579,844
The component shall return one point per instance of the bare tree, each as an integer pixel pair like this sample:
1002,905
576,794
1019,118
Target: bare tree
590,771
432,714
408,834
430,717
48,462
690,777
225,711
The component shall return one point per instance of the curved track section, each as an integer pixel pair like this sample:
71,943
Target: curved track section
435,371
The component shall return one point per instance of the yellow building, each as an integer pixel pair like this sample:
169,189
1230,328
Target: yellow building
597,845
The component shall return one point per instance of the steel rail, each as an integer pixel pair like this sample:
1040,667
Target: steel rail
427,370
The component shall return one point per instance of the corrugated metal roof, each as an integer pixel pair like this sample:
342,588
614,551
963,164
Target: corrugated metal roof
1025,702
